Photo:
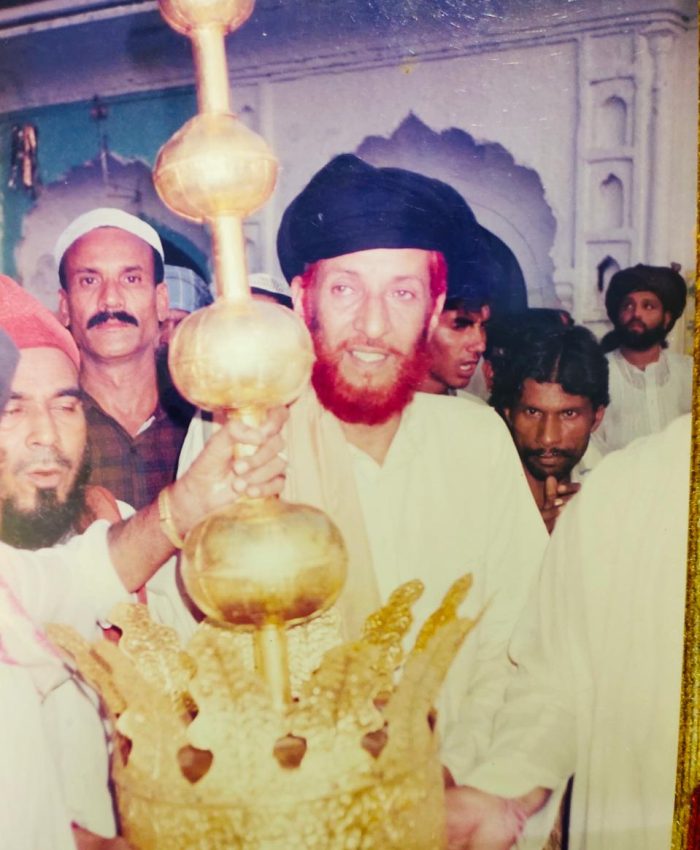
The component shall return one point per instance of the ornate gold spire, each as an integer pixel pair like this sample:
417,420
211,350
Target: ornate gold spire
215,750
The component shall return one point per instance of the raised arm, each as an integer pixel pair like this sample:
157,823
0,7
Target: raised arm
139,545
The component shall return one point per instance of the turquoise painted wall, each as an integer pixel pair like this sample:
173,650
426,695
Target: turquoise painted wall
136,127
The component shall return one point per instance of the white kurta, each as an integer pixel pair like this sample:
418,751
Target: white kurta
643,401
449,499
599,653
33,813
78,737
74,583
591,458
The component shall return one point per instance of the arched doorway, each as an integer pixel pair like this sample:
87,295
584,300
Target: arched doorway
506,198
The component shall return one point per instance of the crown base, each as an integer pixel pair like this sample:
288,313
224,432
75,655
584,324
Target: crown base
405,812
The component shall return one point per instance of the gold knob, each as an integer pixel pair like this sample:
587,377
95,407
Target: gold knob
240,354
264,562
214,166
187,15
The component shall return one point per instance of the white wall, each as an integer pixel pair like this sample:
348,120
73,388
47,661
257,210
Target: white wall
533,85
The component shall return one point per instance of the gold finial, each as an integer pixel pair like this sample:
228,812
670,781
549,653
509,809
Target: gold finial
266,564
210,749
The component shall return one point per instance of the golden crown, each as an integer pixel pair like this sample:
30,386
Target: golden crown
203,758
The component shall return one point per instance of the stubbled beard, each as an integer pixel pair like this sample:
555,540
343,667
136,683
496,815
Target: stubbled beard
50,520
640,340
539,474
365,405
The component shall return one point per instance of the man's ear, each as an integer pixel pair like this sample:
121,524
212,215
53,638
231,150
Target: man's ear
63,310
162,301
667,319
298,296
598,417
435,313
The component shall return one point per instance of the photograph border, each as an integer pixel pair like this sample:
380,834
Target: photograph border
686,815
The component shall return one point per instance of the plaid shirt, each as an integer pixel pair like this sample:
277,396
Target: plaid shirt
135,469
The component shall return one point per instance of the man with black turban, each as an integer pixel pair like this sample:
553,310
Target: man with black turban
649,386
421,486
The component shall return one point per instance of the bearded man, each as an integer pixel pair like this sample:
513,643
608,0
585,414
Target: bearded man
649,385
44,497
421,486
45,465
44,500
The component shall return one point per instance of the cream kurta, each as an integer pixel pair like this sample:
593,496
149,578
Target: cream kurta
450,498
643,401
599,653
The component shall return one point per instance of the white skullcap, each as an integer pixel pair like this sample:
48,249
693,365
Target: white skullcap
270,285
106,217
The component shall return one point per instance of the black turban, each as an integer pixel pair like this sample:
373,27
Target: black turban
497,270
663,281
481,268
351,206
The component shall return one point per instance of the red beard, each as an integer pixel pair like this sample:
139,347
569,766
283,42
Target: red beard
366,405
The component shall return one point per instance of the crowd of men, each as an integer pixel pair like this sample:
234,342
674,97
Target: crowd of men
574,666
